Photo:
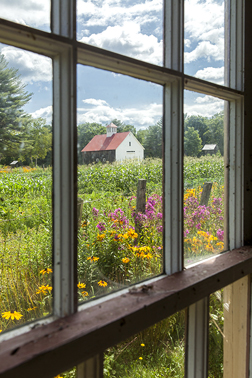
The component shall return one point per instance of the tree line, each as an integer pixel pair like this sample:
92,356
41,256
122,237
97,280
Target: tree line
29,140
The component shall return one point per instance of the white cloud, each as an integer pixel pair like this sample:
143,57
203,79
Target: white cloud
128,40
215,75
205,50
187,42
204,26
205,106
93,101
29,12
44,113
31,67
103,113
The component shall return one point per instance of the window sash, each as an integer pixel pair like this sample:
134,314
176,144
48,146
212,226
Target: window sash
66,52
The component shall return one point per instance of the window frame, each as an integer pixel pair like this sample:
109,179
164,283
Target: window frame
25,350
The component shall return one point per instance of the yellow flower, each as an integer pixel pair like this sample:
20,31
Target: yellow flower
140,358
102,283
148,256
58,376
125,260
100,237
1,330
31,308
43,289
46,270
84,293
81,285
93,258
11,314
142,345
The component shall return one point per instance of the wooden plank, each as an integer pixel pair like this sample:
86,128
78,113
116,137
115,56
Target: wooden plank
235,343
68,341
205,195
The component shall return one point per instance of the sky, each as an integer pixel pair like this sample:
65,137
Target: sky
132,28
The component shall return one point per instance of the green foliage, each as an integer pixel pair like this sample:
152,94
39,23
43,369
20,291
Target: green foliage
86,131
192,142
12,98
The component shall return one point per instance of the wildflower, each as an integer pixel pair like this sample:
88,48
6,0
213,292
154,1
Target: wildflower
84,224
142,345
81,285
58,376
46,270
125,260
93,258
31,308
11,314
102,283
148,256
140,358
84,293
101,226
100,237
1,330
95,211
43,289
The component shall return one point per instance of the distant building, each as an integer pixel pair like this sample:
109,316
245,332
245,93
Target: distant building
112,146
210,149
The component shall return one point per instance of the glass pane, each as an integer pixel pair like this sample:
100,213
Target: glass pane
25,186
133,28
203,177
158,351
204,39
34,13
119,142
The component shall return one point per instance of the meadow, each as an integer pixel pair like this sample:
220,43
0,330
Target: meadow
116,246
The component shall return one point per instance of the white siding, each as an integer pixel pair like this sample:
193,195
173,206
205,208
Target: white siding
130,148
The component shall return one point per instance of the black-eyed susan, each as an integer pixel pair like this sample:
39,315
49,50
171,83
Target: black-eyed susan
81,285
43,289
46,270
142,345
84,293
125,260
31,308
12,314
93,258
102,283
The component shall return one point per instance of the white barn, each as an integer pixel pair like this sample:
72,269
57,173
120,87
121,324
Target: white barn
112,146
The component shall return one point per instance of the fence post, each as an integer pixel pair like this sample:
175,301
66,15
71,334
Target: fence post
206,193
79,210
140,203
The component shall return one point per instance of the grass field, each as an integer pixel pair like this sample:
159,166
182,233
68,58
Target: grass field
116,247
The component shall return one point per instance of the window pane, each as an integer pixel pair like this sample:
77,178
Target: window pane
203,177
156,352
204,39
120,242
34,13
133,28
25,186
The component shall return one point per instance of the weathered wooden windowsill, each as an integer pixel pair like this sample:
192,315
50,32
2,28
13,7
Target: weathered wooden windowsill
68,341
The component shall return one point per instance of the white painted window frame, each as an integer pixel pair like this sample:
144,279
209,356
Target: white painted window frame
66,52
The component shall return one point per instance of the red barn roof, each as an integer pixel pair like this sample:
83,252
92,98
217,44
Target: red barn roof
102,142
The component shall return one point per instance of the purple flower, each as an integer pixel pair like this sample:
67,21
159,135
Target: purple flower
220,234
95,212
101,226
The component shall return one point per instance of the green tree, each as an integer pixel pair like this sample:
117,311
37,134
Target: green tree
122,127
216,131
37,140
153,141
200,124
192,142
12,98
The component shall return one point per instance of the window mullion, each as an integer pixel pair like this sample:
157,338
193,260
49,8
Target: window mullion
64,164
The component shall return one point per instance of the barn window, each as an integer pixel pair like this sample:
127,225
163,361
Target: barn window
78,335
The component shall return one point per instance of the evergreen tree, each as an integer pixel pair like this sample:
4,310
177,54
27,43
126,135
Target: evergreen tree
153,141
12,98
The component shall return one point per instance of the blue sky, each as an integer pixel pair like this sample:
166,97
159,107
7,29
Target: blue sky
133,28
